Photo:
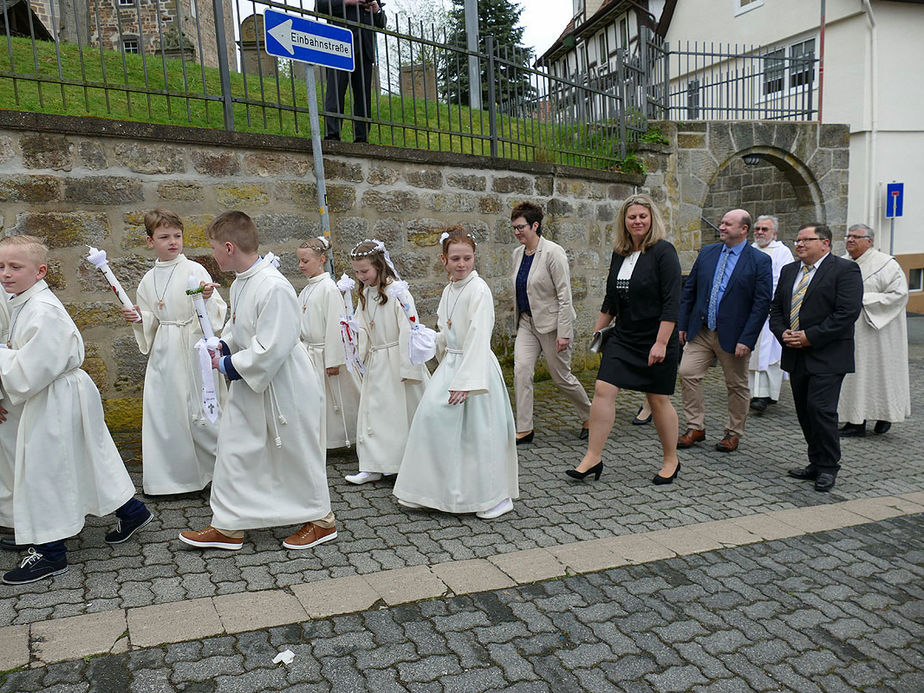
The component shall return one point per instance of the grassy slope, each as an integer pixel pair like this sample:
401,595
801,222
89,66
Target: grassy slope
149,88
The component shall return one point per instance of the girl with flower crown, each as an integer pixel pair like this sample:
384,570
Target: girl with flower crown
392,385
321,306
461,454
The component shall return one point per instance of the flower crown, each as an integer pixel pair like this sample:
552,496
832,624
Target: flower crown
378,248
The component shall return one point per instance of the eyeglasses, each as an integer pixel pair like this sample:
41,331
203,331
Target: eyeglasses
806,240
520,227
853,237
763,228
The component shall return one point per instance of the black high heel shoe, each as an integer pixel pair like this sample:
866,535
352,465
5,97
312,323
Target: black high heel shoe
639,421
528,438
596,470
661,480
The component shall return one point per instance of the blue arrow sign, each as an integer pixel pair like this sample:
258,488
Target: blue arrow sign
307,41
895,192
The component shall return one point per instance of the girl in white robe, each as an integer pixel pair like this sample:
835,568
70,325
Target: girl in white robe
392,386
321,306
461,454
178,442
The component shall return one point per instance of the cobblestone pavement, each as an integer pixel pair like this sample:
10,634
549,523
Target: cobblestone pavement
377,534
833,611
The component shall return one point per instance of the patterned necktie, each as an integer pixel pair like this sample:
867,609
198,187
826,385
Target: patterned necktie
714,296
798,296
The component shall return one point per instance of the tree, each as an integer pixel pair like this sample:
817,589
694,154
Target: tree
497,18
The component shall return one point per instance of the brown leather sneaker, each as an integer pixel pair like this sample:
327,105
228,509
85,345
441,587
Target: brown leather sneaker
310,535
690,437
728,444
210,538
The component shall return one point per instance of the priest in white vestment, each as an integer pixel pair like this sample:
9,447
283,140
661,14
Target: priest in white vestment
879,389
765,375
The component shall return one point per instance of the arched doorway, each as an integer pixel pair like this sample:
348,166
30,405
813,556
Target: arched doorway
778,184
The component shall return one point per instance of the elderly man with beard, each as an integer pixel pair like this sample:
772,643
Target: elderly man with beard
765,377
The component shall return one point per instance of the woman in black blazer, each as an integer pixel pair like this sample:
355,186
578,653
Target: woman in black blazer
642,351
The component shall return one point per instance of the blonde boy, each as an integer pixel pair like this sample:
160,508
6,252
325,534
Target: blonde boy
270,469
178,441
56,453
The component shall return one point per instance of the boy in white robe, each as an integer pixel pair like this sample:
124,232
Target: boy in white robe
270,469
178,441
55,449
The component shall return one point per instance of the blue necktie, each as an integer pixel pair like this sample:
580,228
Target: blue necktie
716,283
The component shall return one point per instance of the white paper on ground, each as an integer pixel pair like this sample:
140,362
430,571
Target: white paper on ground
286,657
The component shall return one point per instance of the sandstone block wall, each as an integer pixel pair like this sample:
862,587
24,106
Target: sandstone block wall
75,182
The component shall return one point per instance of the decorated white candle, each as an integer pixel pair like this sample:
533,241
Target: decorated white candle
194,291
98,258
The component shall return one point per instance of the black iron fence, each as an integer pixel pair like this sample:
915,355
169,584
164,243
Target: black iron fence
712,81
204,63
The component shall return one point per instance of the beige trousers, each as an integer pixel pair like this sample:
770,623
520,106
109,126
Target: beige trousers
698,356
526,349
325,522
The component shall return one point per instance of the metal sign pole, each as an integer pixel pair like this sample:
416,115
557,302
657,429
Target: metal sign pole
318,159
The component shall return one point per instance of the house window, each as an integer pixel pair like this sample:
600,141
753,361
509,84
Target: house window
802,64
693,99
130,45
601,48
916,279
742,6
624,33
126,3
774,71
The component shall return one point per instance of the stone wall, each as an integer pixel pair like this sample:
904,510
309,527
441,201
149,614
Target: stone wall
78,181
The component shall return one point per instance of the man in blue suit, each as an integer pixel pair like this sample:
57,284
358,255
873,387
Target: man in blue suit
724,304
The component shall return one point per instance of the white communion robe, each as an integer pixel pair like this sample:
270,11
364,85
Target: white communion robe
765,376
321,306
462,458
65,465
392,385
879,389
178,442
270,468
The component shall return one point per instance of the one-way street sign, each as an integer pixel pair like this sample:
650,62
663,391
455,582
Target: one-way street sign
308,41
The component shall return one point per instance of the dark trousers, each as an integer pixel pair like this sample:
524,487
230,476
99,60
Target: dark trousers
360,81
57,551
815,397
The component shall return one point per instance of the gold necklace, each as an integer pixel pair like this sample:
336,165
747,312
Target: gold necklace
308,294
455,303
160,298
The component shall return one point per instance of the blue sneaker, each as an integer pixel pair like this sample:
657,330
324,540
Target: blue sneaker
34,567
126,528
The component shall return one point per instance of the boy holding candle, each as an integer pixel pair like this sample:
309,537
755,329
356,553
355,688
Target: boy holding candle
179,438
56,454
270,468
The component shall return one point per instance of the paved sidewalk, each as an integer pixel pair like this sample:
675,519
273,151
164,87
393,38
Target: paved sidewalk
833,611
211,589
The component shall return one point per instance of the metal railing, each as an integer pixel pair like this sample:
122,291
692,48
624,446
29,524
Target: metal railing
204,63
712,81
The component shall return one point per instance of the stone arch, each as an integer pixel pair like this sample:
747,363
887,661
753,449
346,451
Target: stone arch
781,185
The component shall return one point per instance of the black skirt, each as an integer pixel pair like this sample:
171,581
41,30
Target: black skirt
625,358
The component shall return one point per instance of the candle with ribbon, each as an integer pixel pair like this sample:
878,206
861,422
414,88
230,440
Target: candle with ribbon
349,328
209,342
98,258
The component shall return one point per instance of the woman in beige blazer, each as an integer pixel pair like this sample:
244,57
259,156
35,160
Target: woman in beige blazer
543,318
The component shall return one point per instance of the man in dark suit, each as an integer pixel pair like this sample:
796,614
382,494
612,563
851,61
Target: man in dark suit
722,310
817,302
360,80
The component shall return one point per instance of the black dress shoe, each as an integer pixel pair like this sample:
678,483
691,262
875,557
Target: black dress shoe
528,438
596,470
641,422
850,430
825,481
760,404
661,480
809,473
583,434
882,427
